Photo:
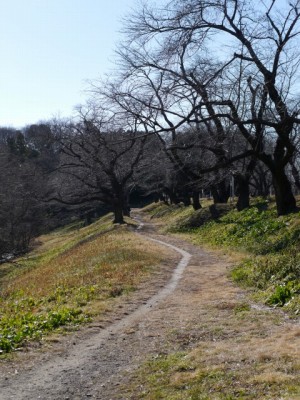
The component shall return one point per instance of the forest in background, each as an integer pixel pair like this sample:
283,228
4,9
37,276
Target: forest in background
204,102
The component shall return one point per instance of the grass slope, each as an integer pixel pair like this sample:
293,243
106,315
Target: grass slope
236,351
71,276
268,245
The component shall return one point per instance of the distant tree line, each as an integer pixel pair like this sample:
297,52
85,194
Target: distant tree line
205,102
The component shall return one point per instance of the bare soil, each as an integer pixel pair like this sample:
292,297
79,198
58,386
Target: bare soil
190,301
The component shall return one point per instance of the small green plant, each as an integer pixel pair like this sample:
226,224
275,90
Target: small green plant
16,329
281,296
242,307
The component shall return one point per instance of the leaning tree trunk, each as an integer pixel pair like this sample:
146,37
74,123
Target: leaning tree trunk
284,197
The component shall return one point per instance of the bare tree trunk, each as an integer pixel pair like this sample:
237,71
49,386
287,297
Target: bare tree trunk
186,200
285,200
243,192
261,181
118,212
242,182
220,192
126,207
172,196
196,201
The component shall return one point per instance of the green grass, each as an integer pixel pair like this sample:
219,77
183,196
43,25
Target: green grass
179,376
270,245
72,275
251,354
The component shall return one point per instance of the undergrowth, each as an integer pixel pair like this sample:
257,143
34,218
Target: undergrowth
71,275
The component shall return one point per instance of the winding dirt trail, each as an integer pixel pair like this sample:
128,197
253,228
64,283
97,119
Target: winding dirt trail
174,312
90,364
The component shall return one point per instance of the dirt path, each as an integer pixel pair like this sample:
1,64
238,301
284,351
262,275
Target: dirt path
97,361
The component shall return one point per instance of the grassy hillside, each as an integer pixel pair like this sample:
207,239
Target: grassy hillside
233,350
70,276
268,245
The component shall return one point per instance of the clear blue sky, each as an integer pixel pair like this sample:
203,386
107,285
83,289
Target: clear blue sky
49,49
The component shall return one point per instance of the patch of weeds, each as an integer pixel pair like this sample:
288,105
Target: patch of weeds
275,273
83,295
281,295
243,273
242,307
252,230
17,329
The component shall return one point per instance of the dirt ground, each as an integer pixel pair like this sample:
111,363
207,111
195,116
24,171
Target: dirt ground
190,300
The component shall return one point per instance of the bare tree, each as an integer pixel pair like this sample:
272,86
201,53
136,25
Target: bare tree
166,105
252,84
98,161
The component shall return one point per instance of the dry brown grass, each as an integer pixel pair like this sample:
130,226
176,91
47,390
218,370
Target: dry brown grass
74,274
248,355
115,257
